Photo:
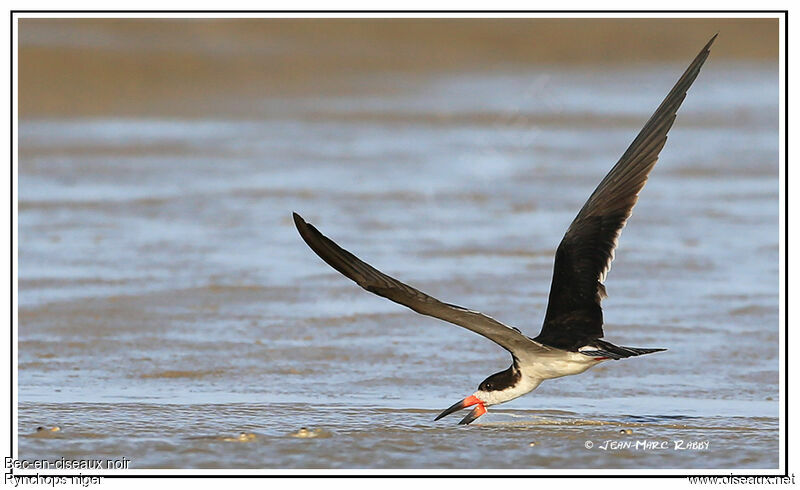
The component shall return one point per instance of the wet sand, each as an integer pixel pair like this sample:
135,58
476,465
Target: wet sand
167,304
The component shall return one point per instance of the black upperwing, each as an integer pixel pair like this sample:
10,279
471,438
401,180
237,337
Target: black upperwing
583,258
381,284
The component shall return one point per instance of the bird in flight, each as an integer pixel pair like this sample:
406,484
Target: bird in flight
570,341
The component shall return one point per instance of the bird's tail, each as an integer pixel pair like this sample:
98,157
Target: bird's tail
601,348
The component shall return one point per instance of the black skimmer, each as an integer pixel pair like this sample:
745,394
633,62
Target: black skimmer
570,339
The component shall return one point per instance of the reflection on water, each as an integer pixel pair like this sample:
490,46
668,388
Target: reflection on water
167,304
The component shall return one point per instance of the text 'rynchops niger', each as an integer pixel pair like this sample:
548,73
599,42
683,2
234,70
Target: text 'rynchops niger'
570,339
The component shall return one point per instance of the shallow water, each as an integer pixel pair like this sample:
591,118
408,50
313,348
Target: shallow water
166,302
205,435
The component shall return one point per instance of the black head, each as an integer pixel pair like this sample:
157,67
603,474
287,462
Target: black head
502,380
492,391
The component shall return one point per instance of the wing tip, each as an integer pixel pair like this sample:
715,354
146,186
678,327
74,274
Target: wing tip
298,220
307,231
711,41
302,226
706,51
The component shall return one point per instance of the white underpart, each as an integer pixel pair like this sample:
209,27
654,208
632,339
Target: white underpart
525,385
537,368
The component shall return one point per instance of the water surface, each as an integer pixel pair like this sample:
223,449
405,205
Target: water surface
167,304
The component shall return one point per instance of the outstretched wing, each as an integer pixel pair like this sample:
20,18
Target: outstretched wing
574,316
379,283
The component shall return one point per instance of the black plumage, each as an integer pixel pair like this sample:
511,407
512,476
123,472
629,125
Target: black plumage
574,316
570,339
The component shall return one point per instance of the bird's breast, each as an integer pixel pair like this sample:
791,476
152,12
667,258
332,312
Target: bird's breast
555,364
